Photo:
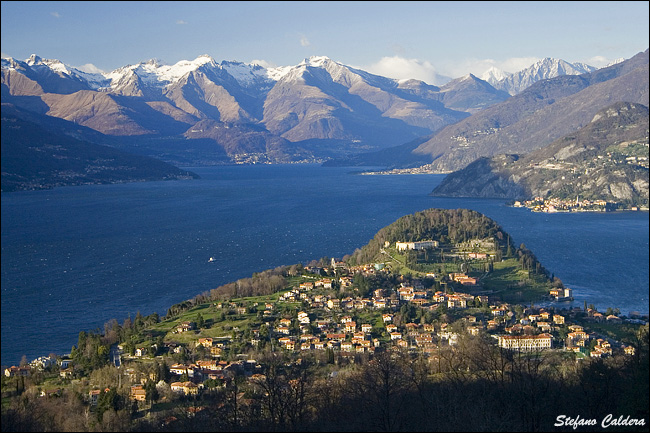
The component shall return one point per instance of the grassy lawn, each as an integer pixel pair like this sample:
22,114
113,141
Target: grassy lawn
514,285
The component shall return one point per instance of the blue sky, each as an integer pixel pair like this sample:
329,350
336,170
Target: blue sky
398,39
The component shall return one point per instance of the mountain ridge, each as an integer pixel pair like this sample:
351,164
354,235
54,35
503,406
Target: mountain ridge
534,118
322,108
36,154
607,159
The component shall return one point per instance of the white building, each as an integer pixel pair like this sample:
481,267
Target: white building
402,246
526,342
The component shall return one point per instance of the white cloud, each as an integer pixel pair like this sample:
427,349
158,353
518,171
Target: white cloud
181,22
402,68
304,41
598,61
55,14
90,68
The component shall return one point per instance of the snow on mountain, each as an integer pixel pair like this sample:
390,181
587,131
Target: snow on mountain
615,62
43,67
540,70
249,75
494,75
153,73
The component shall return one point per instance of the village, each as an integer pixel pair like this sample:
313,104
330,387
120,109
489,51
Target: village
326,315
552,205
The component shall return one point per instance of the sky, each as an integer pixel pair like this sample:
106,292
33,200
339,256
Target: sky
421,40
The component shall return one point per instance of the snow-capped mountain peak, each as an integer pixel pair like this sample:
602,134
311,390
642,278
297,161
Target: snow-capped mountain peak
494,75
541,70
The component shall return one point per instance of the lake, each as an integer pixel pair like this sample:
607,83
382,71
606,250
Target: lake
75,257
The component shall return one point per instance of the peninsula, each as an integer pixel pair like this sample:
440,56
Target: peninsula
437,310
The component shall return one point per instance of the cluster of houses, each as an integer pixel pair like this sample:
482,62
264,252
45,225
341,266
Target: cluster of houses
332,328
327,321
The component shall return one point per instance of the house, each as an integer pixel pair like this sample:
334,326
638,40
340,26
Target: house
290,345
306,345
468,281
17,371
42,362
366,327
66,373
185,388
558,319
526,342
285,340
450,337
456,302
205,342
140,351
333,303
561,293
208,365
319,345
185,326
423,339
387,318
284,330
492,325
138,393
326,283
345,282
576,339
428,327
178,369
93,396
391,328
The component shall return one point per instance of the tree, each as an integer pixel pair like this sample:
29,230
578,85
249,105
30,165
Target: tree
200,322
381,388
151,392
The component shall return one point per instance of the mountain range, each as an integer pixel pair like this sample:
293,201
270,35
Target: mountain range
204,112
532,119
607,159
540,70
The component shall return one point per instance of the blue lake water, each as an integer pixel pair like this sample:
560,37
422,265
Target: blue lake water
75,257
